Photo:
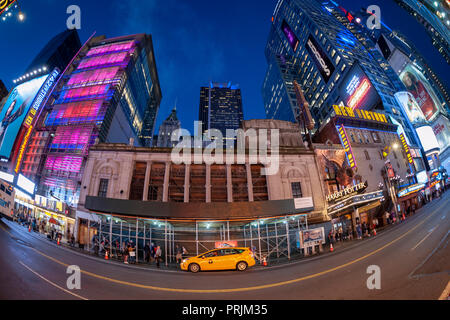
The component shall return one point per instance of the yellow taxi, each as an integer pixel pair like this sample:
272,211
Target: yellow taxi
232,258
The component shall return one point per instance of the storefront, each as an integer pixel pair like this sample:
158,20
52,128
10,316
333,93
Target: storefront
355,210
411,198
49,219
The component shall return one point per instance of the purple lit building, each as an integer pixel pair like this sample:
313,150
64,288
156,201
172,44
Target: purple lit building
110,92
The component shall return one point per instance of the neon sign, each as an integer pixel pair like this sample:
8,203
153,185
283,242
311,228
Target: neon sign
406,148
22,148
290,36
347,147
359,94
362,114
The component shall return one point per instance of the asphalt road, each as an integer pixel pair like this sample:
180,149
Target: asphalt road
413,256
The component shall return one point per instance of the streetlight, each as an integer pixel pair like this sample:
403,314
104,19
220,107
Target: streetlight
21,16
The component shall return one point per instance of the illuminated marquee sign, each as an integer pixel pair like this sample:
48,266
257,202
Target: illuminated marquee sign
5,4
411,189
347,147
22,148
350,190
362,114
359,94
406,148
48,84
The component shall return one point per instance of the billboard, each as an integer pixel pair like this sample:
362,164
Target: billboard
14,112
323,63
422,91
312,237
427,138
357,91
411,108
441,129
290,35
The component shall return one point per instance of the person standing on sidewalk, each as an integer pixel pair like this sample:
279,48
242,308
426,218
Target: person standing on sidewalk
179,253
158,256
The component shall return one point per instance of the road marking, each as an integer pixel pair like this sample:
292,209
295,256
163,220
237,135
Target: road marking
53,284
424,238
446,293
271,285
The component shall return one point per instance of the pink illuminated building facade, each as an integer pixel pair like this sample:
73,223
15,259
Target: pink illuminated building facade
109,93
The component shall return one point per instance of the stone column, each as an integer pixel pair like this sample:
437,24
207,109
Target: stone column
249,182
229,184
147,179
166,183
208,183
187,174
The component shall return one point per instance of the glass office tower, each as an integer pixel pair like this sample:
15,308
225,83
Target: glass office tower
109,93
435,17
220,107
330,62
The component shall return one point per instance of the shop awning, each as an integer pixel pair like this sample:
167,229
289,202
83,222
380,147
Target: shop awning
355,201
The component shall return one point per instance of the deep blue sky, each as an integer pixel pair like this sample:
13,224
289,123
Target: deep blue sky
195,41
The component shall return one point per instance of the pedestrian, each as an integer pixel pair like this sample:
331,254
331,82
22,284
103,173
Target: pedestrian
185,252
341,233
158,256
179,253
125,253
72,240
147,252
358,231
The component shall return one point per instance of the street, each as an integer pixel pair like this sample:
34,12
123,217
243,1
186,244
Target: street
413,256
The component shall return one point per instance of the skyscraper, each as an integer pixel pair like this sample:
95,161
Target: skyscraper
166,130
58,52
435,17
220,107
109,93
330,62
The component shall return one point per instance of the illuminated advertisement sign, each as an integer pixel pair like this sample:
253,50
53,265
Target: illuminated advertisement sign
38,101
290,35
361,114
406,148
347,192
25,184
6,176
427,138
312,237
356,90
422,91
14,112
321,60
5,4
422,177
411,108
411,189
441,129
347,147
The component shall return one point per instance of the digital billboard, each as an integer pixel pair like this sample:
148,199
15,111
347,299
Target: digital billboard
14,112
323,63
427,138
290,35
411,108
441,129
356,90
422,91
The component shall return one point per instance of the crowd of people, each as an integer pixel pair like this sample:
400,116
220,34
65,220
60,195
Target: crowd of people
127,251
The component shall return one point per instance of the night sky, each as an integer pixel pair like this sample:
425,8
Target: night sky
195,41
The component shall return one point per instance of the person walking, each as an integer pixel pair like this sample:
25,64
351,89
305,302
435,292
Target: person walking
179,253
125,253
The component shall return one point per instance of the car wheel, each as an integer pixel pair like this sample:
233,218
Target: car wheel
241,266
193,267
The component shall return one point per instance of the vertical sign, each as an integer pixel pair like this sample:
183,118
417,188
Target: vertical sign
347,147
406,148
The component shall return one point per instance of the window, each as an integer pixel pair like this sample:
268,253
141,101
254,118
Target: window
366,154
103,188
296,190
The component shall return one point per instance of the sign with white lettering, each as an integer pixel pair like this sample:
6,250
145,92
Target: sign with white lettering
303,203
323,63
347,192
